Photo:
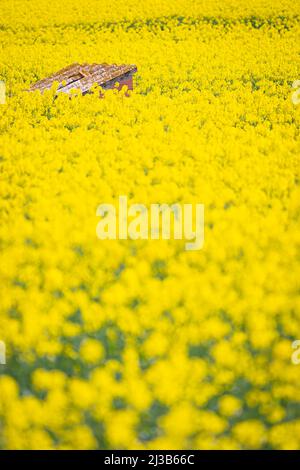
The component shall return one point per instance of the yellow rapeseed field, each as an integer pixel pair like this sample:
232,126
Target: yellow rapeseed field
140,344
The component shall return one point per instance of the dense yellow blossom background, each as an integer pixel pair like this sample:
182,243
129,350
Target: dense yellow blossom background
140,344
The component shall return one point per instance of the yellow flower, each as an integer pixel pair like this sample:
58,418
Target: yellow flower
251,434
91,351
229,405
139,343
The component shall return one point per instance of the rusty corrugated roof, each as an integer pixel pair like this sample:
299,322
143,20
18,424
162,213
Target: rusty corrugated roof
83,76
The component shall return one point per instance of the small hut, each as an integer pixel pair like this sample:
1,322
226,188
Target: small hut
83,76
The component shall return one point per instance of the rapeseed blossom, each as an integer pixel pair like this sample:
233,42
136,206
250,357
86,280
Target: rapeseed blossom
140,344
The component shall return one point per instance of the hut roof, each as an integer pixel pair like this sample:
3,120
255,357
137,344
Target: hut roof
83,76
